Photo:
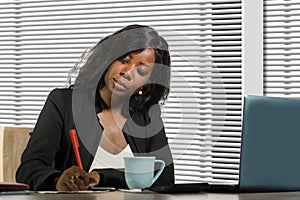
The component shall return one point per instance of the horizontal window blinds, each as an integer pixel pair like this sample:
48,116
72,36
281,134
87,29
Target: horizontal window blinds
205,141
41,40
282,48
227,45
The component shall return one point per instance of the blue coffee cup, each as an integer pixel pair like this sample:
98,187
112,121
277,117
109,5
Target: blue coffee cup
139,171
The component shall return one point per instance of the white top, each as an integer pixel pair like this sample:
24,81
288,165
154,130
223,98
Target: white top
104,159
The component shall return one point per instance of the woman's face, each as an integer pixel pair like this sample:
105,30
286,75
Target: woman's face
124,76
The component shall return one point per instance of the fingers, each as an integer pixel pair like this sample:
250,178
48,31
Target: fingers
70,185
94,178
73,178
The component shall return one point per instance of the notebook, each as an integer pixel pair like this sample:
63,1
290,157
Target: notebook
270,147
11,188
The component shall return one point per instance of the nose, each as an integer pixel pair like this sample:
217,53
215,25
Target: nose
127,73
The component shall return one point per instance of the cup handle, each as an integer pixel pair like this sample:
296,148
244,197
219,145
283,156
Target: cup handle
162,166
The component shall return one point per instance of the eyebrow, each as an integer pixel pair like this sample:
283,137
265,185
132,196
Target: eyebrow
141,63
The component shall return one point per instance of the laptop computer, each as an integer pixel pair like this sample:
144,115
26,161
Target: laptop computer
270,147
270,144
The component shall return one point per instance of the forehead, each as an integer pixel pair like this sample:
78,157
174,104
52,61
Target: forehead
147,56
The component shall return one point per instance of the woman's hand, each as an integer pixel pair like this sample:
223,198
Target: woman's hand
75,178
94,178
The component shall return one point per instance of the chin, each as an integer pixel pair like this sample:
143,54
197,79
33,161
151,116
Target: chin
121,94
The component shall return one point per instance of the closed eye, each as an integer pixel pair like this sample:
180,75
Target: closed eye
143,72
123,61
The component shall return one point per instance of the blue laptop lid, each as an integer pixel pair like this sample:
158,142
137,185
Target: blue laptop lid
270,152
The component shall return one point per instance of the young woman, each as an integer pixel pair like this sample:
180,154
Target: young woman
113,105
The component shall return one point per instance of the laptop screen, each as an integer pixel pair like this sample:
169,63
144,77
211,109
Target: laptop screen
270,144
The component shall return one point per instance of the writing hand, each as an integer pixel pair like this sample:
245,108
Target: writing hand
94,178
74,178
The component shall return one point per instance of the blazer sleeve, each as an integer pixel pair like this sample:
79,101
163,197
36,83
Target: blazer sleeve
36,168
159,147
112,178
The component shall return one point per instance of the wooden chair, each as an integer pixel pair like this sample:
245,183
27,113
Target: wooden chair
13,141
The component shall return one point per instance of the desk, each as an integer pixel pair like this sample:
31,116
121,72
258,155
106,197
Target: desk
117,195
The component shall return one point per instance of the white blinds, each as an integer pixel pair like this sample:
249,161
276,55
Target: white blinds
226,53
282,48
42,39
205,139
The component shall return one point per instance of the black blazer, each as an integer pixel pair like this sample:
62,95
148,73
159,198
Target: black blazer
49,151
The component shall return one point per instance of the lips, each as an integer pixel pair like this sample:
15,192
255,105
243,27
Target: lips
120,84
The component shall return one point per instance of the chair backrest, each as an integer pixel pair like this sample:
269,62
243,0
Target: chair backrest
13,141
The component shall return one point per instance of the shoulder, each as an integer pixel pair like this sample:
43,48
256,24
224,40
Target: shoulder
61,98
60,93
59,102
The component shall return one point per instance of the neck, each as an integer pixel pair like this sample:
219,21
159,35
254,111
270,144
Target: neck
117,102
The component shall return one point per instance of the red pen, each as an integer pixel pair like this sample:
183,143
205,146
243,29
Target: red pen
75,144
